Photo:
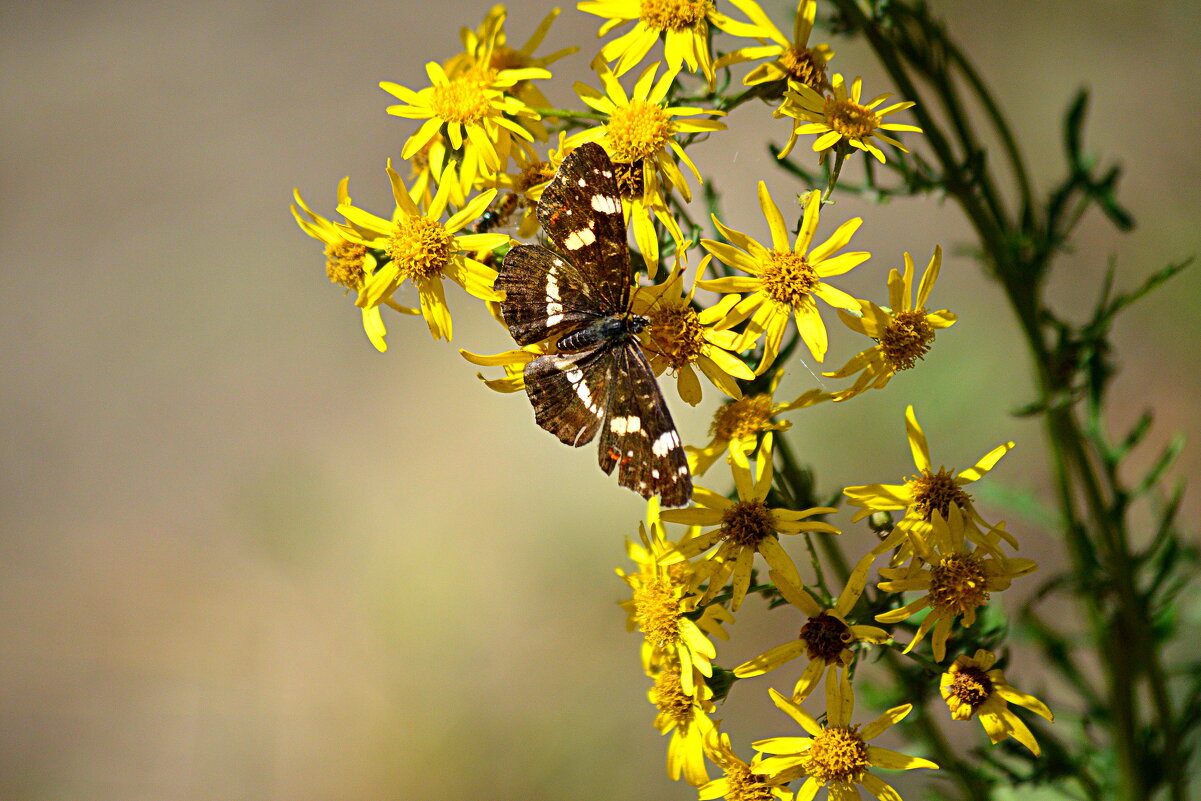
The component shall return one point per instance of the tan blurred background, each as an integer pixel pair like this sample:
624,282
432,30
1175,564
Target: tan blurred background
244,556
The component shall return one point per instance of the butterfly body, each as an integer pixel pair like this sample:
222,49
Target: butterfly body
577,297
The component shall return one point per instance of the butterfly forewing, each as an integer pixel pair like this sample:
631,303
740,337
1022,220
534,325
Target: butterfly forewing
543,292
580,210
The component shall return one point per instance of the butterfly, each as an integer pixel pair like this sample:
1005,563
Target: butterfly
577,297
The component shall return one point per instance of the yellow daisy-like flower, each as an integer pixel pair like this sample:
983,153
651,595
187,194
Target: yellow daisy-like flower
640,131
826,638
742,529
348,263
737,425
486,54
956,581
792,60
739,782
683,25
903,333
663,606
527,182
685,714
423,250
784,280
924,494
841,119
473,111
837,755
971,688
680,337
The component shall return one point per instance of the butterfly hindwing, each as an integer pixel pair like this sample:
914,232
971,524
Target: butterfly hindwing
638,435
543,292
569,392
580,210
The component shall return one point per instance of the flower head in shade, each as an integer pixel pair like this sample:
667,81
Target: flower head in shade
785,280
739,780
903,333
423,250
683,713
663,606
792,60
836,755
924,494
683,26
487,54
826,638
842,119
955,580
680,337
972,689
743,528
348,263
738,424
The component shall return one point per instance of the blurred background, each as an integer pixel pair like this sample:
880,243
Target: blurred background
244,556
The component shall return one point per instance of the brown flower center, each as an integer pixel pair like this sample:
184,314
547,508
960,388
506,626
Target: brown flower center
631,182
959,583
747,523
804,66
972,686
669,697
742,785
826,637
538,172
344,264
937,491
788,278
907,339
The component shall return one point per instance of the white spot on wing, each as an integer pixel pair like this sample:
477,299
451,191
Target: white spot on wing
579,239
625,425
606,204
664,444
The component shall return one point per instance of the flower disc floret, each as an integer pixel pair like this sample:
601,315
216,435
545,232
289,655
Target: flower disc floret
907,339
742,785
838,755
747,523
788,278
825,637
658,610
804,66
935,492
421,247
638,130
678,334
959,583
745,417
344,264
850,119
462,100
971,686
670,697
674,15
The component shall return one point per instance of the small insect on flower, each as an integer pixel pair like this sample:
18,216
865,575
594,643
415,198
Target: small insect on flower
492,219
598,380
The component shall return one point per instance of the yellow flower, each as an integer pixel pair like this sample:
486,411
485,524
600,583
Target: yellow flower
486,52
686,715
792,60
526,184
923,494
836,755
473,110
513,362
740,781
903,333
841,119
683,25
956,581
347,263
423,250
743,528
737,424
640,130
663,607
826,638
680,337
970,688
784,281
